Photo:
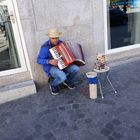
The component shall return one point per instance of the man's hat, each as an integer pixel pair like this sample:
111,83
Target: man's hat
54,32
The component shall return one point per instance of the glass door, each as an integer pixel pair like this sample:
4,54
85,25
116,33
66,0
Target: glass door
11,49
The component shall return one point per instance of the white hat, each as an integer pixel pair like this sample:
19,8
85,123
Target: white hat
54,32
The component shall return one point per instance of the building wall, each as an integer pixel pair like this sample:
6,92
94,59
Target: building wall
78,21
81,21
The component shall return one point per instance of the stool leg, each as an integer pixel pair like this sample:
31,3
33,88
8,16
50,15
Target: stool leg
100,88
111,84
105,78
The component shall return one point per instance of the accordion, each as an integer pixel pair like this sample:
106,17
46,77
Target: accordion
62,53
76,50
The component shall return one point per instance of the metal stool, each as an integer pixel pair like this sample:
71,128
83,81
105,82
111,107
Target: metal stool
106,78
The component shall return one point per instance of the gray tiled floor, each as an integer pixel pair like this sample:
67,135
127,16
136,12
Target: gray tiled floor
73,116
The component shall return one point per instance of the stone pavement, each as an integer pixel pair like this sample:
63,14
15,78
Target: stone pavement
73,116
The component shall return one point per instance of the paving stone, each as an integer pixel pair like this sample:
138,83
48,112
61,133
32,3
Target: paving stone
67,107
75,106
105,132
62,108
75,127
37,134
121,110
72,115
42,113
117,135
109,126
134,110
6,114
49,136
81,115
137,128
63,124
3,120
88,120
116,122
24,112
111,138
76,115
29,138
108,102
38,127
83,105
70,102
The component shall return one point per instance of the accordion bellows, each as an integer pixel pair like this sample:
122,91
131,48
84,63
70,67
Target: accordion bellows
67,53
76,50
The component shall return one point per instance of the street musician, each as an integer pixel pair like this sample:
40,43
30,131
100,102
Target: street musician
50,66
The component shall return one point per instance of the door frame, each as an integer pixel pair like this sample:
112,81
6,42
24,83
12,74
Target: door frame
121,49
19,39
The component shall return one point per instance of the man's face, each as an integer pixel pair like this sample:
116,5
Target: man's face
54,40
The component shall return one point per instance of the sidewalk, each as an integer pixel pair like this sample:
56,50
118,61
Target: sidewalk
73,116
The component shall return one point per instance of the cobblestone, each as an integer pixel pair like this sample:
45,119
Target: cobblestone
72,115
106,132
116,122
116,135
109,126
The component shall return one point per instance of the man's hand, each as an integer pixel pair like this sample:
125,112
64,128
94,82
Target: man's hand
53,62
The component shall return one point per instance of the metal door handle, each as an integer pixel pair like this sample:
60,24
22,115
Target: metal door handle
11,17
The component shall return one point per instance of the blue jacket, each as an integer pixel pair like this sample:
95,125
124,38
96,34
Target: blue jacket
44,56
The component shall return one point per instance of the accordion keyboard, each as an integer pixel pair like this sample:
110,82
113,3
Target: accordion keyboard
57,56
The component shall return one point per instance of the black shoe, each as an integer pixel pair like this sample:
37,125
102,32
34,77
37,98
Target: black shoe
54,90
70,85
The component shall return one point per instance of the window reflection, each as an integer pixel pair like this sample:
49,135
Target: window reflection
123,23
9,58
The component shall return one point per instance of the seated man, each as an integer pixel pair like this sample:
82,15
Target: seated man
50,65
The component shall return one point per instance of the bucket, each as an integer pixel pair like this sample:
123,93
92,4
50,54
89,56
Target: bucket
92,79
